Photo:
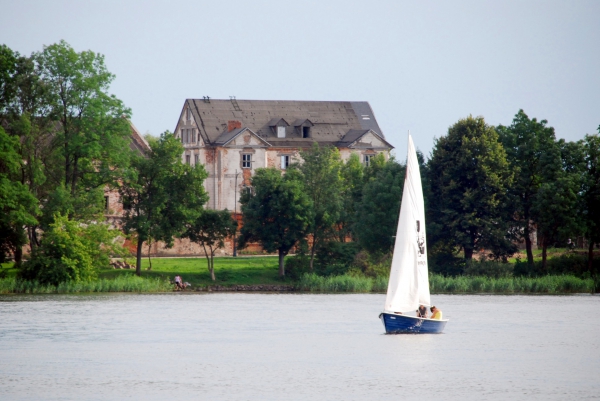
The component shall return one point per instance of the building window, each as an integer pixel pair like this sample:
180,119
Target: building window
106,203
305,132
193,138
246,160
187,159
368,160
285,162
195,160
198,136
188,114
280,132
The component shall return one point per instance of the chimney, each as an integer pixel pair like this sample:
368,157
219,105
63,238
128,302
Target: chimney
233,124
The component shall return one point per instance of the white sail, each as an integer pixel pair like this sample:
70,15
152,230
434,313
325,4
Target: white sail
408,286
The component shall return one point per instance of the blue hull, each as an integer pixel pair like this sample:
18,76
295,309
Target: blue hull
396,324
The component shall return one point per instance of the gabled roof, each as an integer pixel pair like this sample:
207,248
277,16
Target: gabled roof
353,136
227,137
302,121
275,121
331,120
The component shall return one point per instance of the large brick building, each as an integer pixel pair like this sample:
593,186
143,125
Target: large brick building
232,138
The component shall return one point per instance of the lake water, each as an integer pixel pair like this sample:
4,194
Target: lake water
294,347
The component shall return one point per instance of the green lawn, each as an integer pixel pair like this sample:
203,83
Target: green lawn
228,270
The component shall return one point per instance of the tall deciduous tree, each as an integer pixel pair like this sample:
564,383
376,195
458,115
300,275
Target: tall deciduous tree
534,158
18,207
93,133
352,173
161,194
320,171
378,210
277,212
469,177
591,193
210,230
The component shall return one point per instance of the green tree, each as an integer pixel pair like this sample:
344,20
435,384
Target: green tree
469,178
323,183
534,159
210,230
352,173
18,207
161,194
276,212
591,193
556,210
92,140
378,210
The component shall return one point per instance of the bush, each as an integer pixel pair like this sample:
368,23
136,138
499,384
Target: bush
488,268
334,258
373,265
571,264
446,263
70,251
297,265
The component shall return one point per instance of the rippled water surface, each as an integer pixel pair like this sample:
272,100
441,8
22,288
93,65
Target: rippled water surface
294,347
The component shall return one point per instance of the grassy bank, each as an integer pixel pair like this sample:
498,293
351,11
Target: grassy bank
116,284
242,270
263,270
454,285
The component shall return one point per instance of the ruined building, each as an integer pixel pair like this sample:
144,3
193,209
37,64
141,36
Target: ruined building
232,138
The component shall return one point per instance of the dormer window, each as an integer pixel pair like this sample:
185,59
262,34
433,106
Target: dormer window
278,125
305,132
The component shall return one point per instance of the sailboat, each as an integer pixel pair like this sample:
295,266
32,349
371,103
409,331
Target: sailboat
408,286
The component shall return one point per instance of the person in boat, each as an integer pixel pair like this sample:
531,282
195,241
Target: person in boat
436,313
422,311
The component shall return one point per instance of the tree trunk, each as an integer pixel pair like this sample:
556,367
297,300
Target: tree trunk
544,254
212,268
138,264
591,257
312,252
528,245
18,256
149,259
281,266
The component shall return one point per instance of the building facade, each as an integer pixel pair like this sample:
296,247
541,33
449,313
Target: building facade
232,138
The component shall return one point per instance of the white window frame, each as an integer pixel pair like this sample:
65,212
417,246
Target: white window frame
196,159
367,160
285,161
246,160
280,132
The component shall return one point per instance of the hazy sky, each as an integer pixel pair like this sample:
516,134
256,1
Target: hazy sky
422,65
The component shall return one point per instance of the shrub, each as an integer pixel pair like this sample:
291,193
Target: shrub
334,258
296,266
488,268
70,251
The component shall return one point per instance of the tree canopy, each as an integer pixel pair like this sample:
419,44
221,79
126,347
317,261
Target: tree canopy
469,178
161,194
277,212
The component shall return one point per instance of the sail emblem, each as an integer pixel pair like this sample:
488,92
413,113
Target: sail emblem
420,240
